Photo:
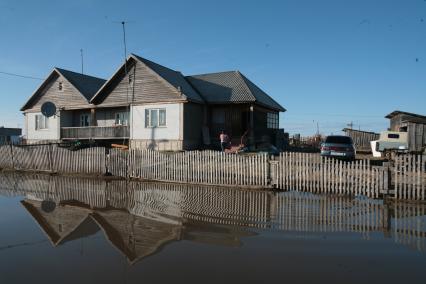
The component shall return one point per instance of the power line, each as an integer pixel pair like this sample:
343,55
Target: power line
21,76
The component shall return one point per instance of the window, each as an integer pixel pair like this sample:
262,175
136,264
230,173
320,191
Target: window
41,122
121,118
338,139
84,120
155,117
393,136
60,86
272,120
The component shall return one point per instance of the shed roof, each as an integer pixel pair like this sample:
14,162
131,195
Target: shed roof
359,131
231,87
4,131
416,117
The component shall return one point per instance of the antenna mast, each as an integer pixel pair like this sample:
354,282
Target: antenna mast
81,55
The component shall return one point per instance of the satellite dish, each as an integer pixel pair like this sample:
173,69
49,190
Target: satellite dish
48,109
48,206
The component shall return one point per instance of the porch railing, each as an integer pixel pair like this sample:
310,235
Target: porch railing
95,132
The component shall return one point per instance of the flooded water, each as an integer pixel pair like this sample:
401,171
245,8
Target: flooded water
73,230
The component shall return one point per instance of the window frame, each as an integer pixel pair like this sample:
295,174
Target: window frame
38,119
125,116
272,120
81,119
148,117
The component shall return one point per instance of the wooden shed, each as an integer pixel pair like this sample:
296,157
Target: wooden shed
361,138
414,124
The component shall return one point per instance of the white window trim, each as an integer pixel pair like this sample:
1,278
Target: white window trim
81,120
126,116
46,123
148,123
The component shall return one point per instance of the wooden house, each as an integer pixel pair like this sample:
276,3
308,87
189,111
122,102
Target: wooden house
150,106
413,124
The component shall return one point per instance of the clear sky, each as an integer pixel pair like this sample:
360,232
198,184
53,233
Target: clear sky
328,61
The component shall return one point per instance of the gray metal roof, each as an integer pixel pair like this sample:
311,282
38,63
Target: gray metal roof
231,87
175,78
5,131
85,84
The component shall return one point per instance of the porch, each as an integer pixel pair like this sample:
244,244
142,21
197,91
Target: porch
95,132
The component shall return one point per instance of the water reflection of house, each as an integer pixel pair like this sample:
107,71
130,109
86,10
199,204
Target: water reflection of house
136,237
63,224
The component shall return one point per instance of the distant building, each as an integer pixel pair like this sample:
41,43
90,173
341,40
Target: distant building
361,138
414,124
9,135
149,106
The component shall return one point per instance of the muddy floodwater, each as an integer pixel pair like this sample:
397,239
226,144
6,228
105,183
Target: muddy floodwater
57,229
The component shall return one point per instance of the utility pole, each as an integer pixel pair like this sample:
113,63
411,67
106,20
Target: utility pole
81,55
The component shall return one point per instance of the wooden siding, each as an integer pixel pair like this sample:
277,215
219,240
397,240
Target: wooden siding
416,136
193,121
361,139
69,96
146,87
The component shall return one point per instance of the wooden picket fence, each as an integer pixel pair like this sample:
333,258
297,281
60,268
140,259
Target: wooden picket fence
306,172
52,158
409,177
199,167
313,173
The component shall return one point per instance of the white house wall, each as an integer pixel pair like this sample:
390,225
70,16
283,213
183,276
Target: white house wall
169,137
51,133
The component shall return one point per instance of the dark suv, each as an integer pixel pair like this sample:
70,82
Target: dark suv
339,147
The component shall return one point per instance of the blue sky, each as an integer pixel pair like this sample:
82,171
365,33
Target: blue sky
329,61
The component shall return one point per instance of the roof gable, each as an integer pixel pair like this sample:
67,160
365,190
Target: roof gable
231,87
77,88
152,82
87,85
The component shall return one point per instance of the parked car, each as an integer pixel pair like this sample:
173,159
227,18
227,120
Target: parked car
338,146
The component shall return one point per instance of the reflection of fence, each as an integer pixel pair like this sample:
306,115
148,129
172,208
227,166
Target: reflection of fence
287,211
409,226
290,171
312,173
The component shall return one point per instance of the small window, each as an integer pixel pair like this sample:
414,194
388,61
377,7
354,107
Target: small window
272,120
393,136
130,78
60,86
155,118
41,122
121,118
84,120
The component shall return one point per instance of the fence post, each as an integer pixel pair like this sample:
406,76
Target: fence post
272,172
386,178
11,155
